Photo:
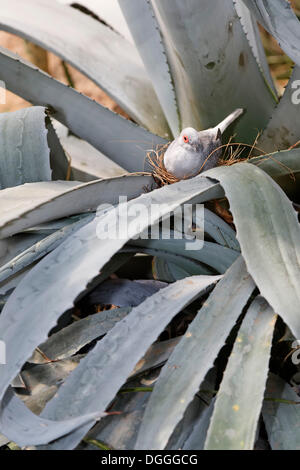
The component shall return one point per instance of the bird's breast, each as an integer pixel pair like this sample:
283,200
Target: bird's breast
182,163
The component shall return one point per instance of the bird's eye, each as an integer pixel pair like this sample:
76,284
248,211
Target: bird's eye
185,139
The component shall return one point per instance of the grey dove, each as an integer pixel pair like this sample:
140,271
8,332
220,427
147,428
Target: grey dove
188,154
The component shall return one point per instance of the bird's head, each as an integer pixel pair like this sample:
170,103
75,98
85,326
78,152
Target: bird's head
189,139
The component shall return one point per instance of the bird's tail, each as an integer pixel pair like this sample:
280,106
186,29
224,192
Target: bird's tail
229,120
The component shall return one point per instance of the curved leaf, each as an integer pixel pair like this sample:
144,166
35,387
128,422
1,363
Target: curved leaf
284,168
86,255
193,357
117,138
72,338
112,62
281,419
32,426
251,29
88,163
269,236
30,204
24,159
233,423
123,292
219,230
143,25
39,249
278,18
213,255
282,130
120,350
216,75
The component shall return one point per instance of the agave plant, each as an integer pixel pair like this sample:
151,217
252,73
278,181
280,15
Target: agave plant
186,361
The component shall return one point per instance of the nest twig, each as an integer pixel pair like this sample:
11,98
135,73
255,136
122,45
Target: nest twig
156,160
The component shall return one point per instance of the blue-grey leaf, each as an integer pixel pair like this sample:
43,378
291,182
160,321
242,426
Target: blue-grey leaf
119,351
282,130
26,142
72,338
233,424
200,66
279,19
193,357
250,26
270,236
39,249
113,63
145,30
42,202
280,417
105,130
123,292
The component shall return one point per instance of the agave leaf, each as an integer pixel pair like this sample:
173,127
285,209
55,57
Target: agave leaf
72,338
167,270
219,230
282,130
88,163
50,227
120,431
196,439
10,248
280,165
284,168
24,159
19,421
269,236
7,287
12,405
41,202
233,423
279,19
43,380
194,356
195,416
281,418
105,130
143,25
86,255
251,29
123,292
155,356
213,255
109,12
181,265
113,63
213,77
13,246
170,268
39,249
141,322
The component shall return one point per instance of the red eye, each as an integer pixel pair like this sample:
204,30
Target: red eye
185,139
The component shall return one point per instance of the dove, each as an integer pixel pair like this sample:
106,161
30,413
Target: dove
188,154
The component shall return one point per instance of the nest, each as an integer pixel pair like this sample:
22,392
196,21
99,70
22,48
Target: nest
232,153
